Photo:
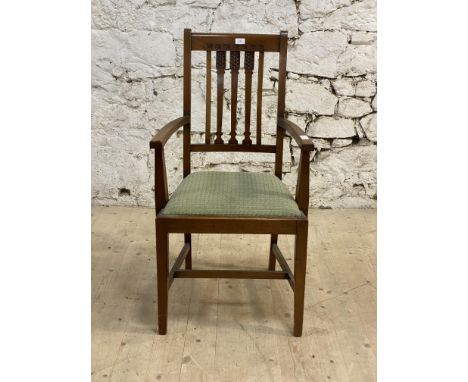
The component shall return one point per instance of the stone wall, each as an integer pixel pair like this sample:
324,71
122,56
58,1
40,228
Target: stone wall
331,92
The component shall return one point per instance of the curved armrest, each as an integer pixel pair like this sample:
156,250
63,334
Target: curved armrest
161,137
302,140
157,142
306,145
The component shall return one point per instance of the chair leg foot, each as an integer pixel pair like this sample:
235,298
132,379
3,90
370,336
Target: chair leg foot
300,262
162,262
272,259
162,325
297,332
188,258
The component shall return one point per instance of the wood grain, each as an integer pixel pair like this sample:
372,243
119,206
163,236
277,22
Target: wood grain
208,98
187,106
220,68
249,60
259,97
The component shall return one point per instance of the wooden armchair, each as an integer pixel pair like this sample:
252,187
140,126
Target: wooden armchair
221,202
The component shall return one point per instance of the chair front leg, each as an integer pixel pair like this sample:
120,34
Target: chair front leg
162,261
300,262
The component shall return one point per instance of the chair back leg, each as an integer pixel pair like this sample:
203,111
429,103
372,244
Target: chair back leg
300,261
272,259
188,258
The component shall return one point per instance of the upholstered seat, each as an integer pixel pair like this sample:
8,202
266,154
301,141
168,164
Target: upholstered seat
232,194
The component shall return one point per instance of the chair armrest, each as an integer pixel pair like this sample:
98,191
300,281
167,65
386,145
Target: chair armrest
301,138
162,136
306,145
157,143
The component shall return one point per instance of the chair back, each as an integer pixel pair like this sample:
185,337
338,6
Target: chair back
248,49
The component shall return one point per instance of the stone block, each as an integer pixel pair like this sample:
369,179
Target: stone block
369,125
332,127
353,107
310,98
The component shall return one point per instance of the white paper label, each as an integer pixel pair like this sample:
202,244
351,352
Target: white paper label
240,41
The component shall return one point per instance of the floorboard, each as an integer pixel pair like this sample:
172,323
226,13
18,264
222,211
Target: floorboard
224,330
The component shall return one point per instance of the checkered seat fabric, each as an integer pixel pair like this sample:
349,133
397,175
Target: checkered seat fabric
232,194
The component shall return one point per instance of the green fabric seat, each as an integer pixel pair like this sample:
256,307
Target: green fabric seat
232,194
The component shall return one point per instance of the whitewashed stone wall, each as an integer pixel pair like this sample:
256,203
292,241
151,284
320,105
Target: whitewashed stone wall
331,92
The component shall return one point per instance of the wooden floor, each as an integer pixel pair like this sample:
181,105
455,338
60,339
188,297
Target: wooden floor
234,330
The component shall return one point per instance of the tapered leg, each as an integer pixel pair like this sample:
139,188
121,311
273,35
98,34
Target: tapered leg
188,258
300,260
162,260
272,260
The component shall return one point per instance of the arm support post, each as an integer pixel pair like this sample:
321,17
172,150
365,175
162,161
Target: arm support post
302,185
